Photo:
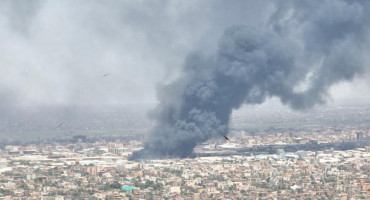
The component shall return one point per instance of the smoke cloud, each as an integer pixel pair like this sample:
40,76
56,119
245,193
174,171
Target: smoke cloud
306,47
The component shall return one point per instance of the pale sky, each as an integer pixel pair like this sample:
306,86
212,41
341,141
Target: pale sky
56,52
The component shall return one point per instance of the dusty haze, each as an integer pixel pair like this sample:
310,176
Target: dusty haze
192,58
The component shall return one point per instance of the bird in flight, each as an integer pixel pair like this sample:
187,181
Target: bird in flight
59,125
226,138
105,75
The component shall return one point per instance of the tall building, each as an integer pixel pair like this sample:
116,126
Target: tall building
359,135
281,153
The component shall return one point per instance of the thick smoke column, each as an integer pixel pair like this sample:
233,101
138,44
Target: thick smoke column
305,48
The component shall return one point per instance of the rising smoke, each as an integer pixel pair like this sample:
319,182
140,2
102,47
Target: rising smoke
306,48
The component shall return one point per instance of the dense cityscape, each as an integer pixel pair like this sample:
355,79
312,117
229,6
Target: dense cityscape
184,100
257,163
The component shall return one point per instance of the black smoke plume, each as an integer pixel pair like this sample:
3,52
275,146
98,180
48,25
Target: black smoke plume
305,48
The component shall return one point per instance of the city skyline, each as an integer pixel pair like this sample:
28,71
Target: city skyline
187,99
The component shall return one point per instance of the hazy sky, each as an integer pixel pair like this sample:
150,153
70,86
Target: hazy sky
56,52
